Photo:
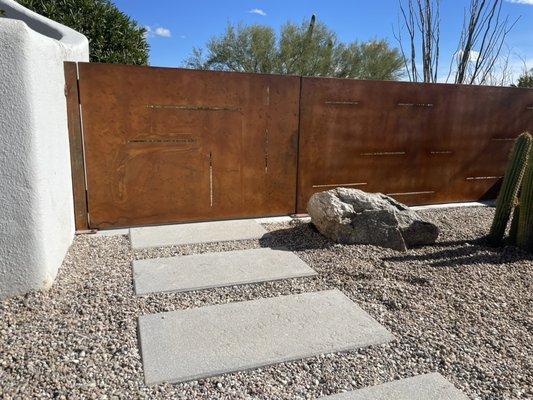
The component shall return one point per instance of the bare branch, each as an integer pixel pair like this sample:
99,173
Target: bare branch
421,18
482,38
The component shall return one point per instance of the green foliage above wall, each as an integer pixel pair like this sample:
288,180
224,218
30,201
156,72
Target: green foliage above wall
113,36
308,49
526,80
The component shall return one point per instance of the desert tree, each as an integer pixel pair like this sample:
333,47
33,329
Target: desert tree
479,57
501,73
526,79
309,49
306,46
242,48
421,19
479,51
369,60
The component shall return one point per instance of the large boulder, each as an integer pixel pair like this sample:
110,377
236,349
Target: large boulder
351,216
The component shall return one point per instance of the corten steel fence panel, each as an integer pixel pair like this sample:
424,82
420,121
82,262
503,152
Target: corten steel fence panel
420,143
169,145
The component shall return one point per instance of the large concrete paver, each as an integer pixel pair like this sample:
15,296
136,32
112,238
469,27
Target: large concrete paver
198,232
197,343
422,387
208,270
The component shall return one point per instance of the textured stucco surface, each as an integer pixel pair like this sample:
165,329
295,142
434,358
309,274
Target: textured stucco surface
36,213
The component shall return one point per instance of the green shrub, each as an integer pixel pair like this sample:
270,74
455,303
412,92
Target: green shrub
526,80
113,36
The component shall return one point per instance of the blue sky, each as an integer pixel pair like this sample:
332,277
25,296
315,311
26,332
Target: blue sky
176,26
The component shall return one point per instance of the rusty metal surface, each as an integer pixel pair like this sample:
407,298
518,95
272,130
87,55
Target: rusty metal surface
421,143
170,145
76,146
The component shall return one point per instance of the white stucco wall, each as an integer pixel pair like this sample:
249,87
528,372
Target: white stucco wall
36,203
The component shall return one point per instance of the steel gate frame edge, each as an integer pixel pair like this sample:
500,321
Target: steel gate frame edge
77,159
298,146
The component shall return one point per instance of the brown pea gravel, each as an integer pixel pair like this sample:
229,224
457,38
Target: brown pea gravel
457,307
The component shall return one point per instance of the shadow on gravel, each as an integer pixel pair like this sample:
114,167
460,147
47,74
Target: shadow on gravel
301,236
463,253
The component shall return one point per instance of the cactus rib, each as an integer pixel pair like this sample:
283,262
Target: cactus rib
514,225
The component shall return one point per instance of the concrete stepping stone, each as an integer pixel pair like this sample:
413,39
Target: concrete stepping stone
198,232
196,343
209,270
422,387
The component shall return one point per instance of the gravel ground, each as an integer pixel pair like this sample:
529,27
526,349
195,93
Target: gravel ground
458,307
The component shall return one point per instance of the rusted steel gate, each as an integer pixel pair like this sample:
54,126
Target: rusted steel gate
159,145
420,143
167,145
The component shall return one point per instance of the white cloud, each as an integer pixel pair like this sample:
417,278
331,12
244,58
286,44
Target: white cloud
258,11
159,31
473,56
528,2
163,32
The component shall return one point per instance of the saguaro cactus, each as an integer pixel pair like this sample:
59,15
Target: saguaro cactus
524,234
514,225
510,186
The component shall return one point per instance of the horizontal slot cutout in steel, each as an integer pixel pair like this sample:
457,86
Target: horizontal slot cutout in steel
185,138
400,104
411,193
482,178
340,184
160,141
384,153
342,103
192,108
440,152
509,139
